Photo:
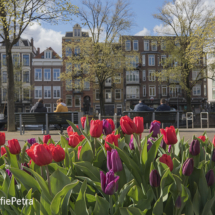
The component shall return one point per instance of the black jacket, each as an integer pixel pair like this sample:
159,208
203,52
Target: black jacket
38,107
142,107
163,107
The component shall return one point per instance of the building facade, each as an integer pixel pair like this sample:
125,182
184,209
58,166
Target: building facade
47,68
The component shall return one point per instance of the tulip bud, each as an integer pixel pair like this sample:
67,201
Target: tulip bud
188,166
169,135
169,148
96,127
32,141
83,122
163,144
194,148
155,127
14,146
149,143
113,161
79,151
139,122
112,139
167,160
210,177
3,151
213,141
10,175
127,125
58,153
46,138
2,138
178,202
107,129
131,143
154,178
203,138
111,123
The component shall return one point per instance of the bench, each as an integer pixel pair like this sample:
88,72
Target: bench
166,117
46,119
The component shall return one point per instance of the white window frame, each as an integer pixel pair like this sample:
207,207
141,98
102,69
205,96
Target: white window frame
70,97
56,88
151,77
135,95
132,76
144,90
38,76
48,54
163,45
23,76
143,60
23,59
68,67
118,106
152,86
144,75
118,78
205,90
54,71
4,63
96,91
48,107
163,87
154,42
150,62
128,41
69,85
109,92
68,52
3,76
77,48
39,88
146,45
77,96
54,107
48,89
4,101
19,58
175,90
44,72
195,88
77,32
136,42
85,88
119,94
195,74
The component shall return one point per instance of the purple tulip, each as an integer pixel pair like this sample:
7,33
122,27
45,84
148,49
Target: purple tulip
210,177
213,155
194,148
154,178
187,167
107,129
169,148
113,161
109,182
10,175
131,144
163,144
155,127
32,141
178,202
149,143
67,139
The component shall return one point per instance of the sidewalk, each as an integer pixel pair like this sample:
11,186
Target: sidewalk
186,133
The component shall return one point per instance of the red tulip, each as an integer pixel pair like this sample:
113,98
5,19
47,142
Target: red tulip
83,121
127,125
202,138
29,164
79,151
139,122
96,128
169,135
46,138
2,138
111,138
214,140
3,151
58,153
74,140
167,160
51,146
70,130
40,154
111,123
14,146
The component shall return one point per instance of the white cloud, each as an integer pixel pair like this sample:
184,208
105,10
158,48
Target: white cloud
162,30
144,32
44,38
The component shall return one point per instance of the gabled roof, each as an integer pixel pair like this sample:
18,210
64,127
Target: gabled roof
54,54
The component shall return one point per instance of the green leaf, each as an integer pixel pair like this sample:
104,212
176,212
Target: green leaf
36,207
45,208
144,154
11,189
27,180
135,193
87,127
23,152
53,167
63,141
80,205
196,201
58,200
101,207
40,141
86,152
131,211
12,159
158,207
178,144
74,127
27,207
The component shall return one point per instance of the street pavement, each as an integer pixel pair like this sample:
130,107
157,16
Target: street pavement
186,133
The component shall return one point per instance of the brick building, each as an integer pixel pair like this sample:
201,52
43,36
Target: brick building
141,82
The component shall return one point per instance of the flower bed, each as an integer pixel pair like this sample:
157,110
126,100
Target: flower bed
101,170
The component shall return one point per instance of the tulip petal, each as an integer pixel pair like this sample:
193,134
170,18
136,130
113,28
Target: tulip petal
103,181
109,163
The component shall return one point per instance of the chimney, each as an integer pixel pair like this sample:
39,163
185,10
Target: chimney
32,41
38,50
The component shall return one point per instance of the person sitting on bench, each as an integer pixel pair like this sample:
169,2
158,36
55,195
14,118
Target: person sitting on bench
163,106
142,107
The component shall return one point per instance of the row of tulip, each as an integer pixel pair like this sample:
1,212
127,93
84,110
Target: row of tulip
101,169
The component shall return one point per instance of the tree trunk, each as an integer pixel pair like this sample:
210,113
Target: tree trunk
10,92
101,99
188,98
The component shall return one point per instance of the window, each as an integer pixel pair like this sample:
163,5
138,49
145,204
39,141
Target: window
17,95
197,90
154,45
108,96
4,60
16,59
69,85
97,95
195,74
77,101
132,76
164,90
69,101
151,75
77,32
16,44
163,45
26,61
163,75
47,92
4,77
135,45
56,92
26,76
127,45
118,78
48,107
54,106
205,90
47,74
144,75
108,82
97,109
174,91
143,60
132,92
152,91
133,60
119,110
68,67
48,54
86,85
117,94
144,90
86,68
56,74
77,85
38,74
146,45
77,68
151,60
163,59
68,52
38,92
4,94
77,51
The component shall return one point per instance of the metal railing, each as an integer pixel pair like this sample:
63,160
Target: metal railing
201,118
188,118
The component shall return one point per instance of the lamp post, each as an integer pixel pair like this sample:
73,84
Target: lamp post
80,103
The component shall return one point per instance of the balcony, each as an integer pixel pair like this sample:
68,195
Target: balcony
108,100
132,96
133,81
